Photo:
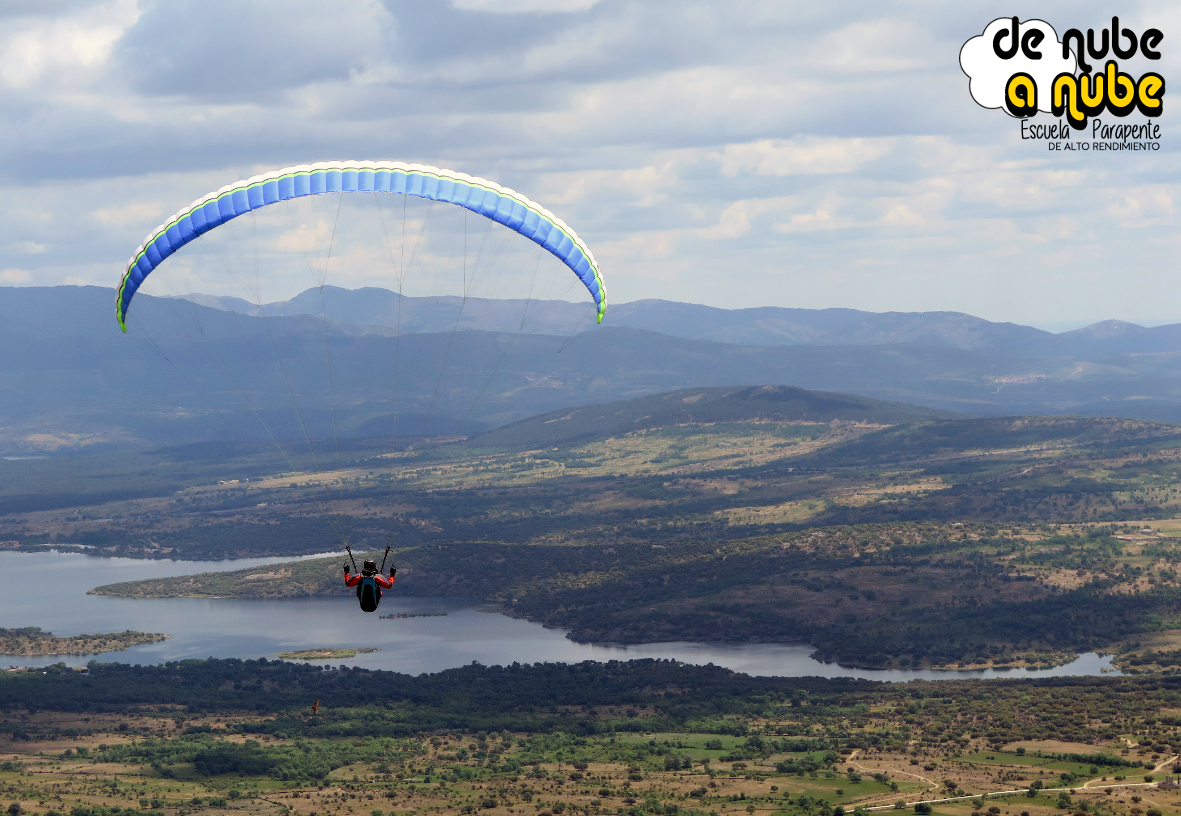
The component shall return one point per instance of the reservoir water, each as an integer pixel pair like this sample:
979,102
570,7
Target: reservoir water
49,590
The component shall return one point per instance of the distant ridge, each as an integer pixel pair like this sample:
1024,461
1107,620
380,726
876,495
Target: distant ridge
384,310
777,403
71,378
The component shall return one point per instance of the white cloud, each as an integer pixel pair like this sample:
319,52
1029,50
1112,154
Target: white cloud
132,213
735,220
734,223
823,216
15,275
523,6
1143,207
901,215
647,186
806,156
62,49
649,245
877,45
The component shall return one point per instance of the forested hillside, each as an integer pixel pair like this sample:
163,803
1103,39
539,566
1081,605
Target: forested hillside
936,542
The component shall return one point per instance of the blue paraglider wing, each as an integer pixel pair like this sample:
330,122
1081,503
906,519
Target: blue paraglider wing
487,198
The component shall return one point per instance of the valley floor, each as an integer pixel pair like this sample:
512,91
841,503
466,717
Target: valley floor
774,747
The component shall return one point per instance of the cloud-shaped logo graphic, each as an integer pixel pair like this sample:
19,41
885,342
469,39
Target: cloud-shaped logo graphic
988,73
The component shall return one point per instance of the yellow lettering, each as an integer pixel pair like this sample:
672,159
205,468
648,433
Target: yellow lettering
1150,85
1115,80
1022,93
1091,92
1064,99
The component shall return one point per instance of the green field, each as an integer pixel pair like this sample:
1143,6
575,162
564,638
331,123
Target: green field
240,737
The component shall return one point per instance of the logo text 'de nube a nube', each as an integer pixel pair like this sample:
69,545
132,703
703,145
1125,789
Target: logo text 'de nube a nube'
1024,68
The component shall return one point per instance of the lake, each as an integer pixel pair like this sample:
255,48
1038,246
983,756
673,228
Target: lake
49,590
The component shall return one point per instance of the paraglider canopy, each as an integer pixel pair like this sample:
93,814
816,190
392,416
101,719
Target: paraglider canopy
469,334
499,204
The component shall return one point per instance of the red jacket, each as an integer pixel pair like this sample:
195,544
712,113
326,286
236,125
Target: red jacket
378,578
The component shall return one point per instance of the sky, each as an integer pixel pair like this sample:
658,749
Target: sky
739,153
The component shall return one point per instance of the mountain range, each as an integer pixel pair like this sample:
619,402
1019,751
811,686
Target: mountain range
331,364
381,309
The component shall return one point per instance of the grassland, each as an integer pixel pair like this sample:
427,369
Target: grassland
641,738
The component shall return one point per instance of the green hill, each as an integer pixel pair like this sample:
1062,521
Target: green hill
766,403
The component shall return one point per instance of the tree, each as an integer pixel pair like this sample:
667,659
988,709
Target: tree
922,808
